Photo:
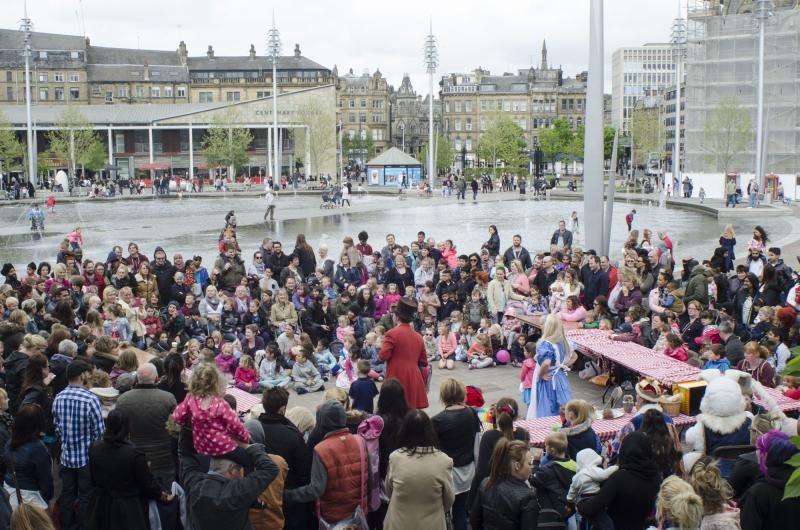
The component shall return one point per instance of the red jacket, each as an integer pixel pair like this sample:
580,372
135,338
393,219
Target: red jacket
404,353
346,487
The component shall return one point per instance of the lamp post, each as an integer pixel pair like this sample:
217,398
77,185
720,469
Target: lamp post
678,52
463,160
593,160
762,12
274,49
431,62
26,26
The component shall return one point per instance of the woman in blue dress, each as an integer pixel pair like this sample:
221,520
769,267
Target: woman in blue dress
553,357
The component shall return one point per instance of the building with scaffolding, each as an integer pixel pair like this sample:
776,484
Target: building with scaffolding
722,66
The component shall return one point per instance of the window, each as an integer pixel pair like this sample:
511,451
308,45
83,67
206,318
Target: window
43,77
43,94
74,93
363,103
468,124
352,117
96,91
563,104
155,91
457,106
9,76
109,96
74,55
362,118
155,73
467,106
484,105
167,91
205,97
181,92
468,144
232,96
74,77
458,124
59,93
447,106
10,93
507,106
571,104
42,55
119,142
123,91
58,77
458,145
483,124
352,103
499,104
259,94
140,92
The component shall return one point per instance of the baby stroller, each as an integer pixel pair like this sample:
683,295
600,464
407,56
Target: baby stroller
327,201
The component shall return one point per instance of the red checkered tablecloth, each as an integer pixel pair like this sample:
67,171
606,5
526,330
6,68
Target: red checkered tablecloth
539,428
244,400
784,403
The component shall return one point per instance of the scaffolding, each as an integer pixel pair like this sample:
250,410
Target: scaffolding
722,63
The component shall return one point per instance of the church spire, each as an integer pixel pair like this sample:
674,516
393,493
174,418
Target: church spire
544,55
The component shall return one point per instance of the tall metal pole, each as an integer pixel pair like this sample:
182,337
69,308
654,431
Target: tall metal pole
763,10
593,139
26,26
612,188
431,62
678,51
274,49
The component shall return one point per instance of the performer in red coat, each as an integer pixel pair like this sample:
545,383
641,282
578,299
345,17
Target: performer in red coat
404,353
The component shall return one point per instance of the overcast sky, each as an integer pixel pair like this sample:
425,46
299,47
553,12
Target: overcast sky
501,36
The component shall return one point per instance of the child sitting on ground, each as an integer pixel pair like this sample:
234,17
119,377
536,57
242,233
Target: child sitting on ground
586,483
326,362
270,372
375,362
305,375
480,354
431,346
246,378
226,362
343,329
215,426
363,390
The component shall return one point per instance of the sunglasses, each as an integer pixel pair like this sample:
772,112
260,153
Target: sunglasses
258,257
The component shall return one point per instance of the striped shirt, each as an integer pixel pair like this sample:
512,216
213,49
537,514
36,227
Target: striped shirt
78,422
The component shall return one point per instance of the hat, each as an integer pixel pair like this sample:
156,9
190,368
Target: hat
406,308
176,304
104,392
624,328
7,267
649,390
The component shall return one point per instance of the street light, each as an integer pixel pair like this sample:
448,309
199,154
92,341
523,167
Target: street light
26,26
273,50
762,12
431,62
678,52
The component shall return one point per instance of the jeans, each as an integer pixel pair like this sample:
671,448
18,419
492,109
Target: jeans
474,195
731,200
76,485
459,511
752,200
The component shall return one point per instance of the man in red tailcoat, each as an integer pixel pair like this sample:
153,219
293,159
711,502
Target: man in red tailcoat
404,353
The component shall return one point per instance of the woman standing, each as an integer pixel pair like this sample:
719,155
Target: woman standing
728,241
504,500
28,458
553,355
35,390
493,244
308,262
121,479
419,482
392,408
457,428
744,301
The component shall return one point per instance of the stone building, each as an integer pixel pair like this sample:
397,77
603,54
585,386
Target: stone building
363,106
409,118
533,98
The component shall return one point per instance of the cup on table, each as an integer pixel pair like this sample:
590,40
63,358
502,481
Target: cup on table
627,404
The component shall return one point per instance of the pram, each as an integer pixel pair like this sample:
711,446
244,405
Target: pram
327,200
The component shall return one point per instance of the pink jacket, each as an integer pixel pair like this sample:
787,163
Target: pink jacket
225,364
577,315
245,375
526,374
450,255
521,284
391,298
447,346
212,427
678,353
381,307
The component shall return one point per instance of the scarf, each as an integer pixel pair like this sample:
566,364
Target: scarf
578,429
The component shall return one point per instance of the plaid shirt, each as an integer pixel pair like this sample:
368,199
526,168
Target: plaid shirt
78,422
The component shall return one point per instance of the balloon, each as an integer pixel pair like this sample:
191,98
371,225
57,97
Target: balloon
503,356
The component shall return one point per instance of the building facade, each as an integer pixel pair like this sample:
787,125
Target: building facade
638,72
363,107
533,98
410,116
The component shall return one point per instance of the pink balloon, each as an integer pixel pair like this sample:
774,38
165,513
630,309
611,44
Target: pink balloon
503,356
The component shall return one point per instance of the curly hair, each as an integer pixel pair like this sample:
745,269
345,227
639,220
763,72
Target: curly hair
707,482
207,381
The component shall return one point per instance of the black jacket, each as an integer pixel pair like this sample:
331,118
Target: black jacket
762,507
567,236
489,440
509,505
628,498
164,279
282,438
524,257
15,366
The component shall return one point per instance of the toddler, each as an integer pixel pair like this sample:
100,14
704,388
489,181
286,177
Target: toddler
245,377
344,329
586,483
305,375
225,361
371,346
326,362
363,390
215,426
270,372
480,354
526,374
429,341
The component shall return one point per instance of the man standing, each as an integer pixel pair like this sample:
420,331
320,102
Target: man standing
546,276
78,422
474,185
730,193
462,188
230,269
562,238
595,282
605,265
270,200
752,193
164,272
517,252
404,354
148,409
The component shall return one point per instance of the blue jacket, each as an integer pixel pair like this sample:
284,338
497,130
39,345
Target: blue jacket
594,284
721,365
33,467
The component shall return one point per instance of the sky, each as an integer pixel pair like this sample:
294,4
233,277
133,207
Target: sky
501,36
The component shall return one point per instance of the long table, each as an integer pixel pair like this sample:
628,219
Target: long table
539,428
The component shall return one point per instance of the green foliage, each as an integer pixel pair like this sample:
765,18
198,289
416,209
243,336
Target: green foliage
608,142
224,144
321,135
73,139
11,149
645,134
95,157
503,141
557,142
726,133
444,154
359,147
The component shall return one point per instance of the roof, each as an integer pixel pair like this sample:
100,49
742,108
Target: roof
121,56
12,39
127,73
394,157
286,62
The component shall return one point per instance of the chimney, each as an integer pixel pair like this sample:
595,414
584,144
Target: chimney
297,50
183,53
210,52
146,71
252,51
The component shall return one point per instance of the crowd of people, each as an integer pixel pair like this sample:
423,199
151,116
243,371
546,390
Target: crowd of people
120,378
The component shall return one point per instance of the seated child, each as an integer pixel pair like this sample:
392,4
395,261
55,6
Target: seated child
715,355
226,362
586,483
305,375
480,354
326,362
371,343
431,346
270,372
344,328
363,390
675,348
246,378
517,350
215,426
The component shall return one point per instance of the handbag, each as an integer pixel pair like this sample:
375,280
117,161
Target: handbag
359,519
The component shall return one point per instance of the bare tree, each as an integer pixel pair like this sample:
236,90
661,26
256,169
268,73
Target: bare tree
727,132
321,135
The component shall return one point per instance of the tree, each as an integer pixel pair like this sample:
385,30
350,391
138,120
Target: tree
95,156
608,142
224,144
726,133
444,153
557,141
11,149
576,146
357,148
502,141
645,134
73,139
321,134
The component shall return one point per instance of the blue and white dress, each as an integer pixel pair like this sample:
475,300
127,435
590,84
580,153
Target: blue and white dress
548,396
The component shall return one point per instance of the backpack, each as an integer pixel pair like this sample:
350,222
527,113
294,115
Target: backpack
552,514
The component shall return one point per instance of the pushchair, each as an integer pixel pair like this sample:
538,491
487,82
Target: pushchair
327,200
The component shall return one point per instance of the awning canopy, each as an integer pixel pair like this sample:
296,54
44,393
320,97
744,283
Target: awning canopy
153,167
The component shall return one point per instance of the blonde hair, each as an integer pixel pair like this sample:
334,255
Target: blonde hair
556,443
553,332
452,392
755,347
3,395
30,517
302,419
678,503
246,361
19,317
127,361
708,483
99,379
207,381
580,408
32,342
337,394
728,232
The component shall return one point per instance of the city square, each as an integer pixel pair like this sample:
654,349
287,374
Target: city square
364,283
